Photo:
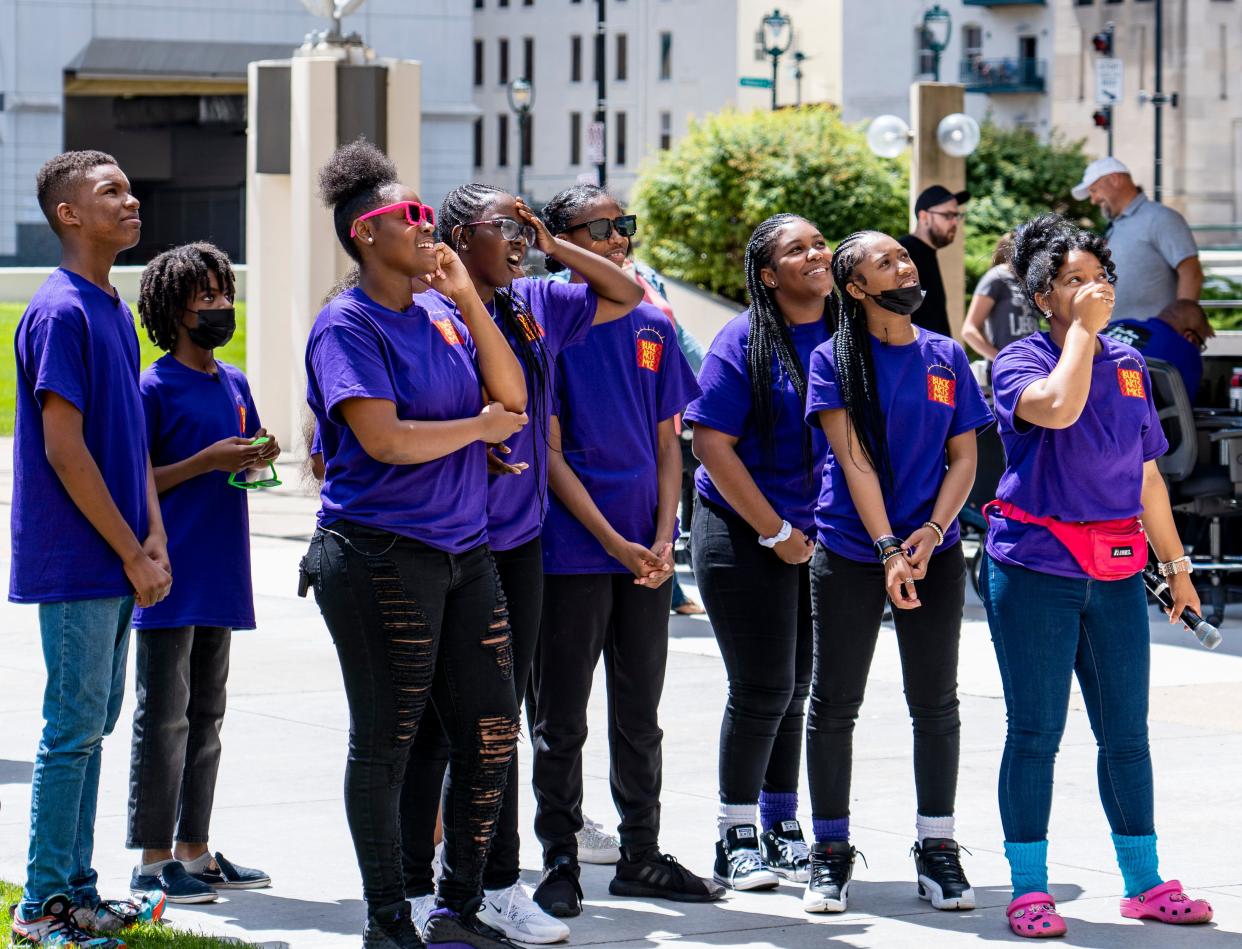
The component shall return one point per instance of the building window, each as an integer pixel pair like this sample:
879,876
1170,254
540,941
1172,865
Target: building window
478,4
528,141
502,141
478,143
478,62
619,136
972,43
666,55
925,61
575,138
502,3
528,3
503,62
666,131
575,59
528,58
623,66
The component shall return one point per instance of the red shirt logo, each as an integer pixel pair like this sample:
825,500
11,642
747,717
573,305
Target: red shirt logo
649,351
1131,382
531,329
448,331
941,385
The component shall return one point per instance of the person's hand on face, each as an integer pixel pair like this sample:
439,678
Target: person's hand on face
450,276
544,240
1081,292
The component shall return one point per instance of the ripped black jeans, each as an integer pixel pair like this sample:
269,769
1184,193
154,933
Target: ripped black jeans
413,624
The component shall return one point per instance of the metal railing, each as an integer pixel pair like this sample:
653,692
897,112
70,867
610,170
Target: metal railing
1003,75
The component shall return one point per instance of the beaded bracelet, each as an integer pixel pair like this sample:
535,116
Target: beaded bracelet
938,529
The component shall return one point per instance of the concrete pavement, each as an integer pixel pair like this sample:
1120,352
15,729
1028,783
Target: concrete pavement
279,804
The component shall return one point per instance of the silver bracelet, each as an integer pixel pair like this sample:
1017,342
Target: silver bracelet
1181,564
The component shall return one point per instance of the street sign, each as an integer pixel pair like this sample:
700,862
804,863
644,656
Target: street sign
755,82
595,143
1109,76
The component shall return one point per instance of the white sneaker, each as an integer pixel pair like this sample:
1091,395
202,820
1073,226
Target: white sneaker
420,910
596,845
515,914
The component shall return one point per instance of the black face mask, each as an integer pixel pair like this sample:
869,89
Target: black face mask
215,327
903,300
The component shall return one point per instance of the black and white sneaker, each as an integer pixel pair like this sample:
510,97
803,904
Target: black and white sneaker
447,929
391,928
785,852
832,868
942,881
738,864
559,893
655,875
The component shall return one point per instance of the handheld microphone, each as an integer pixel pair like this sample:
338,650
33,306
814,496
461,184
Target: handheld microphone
1207,634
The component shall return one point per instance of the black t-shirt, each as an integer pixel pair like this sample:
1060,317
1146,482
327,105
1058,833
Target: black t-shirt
932,314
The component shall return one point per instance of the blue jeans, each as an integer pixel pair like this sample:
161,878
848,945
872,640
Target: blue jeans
84,647
1046,628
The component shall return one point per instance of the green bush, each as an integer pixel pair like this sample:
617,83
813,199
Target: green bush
699,202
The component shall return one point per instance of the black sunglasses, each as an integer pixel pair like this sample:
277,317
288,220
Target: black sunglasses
601,228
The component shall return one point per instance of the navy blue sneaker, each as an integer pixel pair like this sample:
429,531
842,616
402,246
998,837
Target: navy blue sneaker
228,876
177,885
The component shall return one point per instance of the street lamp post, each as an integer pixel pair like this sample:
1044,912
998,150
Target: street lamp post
521,97
937,28
777,38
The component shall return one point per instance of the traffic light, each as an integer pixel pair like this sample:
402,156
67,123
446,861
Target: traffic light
1103,41
1102,119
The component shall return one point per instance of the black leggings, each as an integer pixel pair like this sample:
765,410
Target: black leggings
521,578
760,608
847,599
412,623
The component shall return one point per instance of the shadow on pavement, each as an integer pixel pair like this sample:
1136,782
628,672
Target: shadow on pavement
15,772
259,910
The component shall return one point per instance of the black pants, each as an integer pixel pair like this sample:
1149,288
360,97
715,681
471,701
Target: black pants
760,608
180,682
521,578
847,600
411,623
585,615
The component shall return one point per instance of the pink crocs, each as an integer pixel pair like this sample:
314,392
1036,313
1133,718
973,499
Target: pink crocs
1167,903
1035,916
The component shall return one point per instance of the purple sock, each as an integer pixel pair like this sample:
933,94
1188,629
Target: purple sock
776,806
836,829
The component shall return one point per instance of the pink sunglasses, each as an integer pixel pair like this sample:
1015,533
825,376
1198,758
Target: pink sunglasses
426,214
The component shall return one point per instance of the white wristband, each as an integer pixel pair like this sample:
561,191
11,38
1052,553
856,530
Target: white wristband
780,535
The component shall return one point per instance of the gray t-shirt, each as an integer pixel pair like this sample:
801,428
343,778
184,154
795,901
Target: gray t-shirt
1012,315
1147,241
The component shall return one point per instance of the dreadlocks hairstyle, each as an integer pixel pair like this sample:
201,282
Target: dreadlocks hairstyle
56,179
851,352
769,337
566,205
352,183
469,203
1041,245
170,283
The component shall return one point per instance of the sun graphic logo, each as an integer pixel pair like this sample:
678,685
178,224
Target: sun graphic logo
531,328
1130,378
941,384
649,349
448,331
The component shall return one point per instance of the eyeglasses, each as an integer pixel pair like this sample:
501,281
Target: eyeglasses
601,228
510,230
951,215
426,214
1197,340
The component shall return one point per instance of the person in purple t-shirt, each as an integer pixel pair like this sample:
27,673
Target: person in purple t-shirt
400,563
491,231
88,539
615,475
753,535
1081,437
900,408
201,425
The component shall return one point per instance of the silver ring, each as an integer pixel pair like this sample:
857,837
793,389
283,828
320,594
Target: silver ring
910,580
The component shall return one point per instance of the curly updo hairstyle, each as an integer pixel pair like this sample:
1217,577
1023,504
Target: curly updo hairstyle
1040,247
170,283
352,183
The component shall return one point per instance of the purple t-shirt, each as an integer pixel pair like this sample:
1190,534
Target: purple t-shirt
1091,471
421,359
927,395
612,392
77,341
207,519
778,467
557,315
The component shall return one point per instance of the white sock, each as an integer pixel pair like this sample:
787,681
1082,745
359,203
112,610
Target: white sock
198,864
734,815
151,869
942,827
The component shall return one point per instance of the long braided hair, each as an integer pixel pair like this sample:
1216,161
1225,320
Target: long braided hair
769,337
851,352
462,206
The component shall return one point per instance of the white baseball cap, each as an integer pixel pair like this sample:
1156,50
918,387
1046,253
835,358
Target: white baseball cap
1095,171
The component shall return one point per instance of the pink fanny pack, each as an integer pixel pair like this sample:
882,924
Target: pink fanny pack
1106,550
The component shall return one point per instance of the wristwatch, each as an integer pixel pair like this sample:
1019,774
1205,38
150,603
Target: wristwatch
780,535
887,542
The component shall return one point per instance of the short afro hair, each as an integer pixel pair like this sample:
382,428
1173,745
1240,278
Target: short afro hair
352,183
57,178
170,283
1041,245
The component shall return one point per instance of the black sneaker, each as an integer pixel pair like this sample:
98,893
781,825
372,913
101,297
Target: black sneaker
656,875
447,929
941,878
832,868
785,852
738,864
226,875
391,927
176,883
559,893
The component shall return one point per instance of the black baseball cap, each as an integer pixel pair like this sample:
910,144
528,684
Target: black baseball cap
938,194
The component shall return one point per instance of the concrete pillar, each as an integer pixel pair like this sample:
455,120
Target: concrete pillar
929,165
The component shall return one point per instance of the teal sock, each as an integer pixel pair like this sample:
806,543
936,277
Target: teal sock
1136,856
1028,867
